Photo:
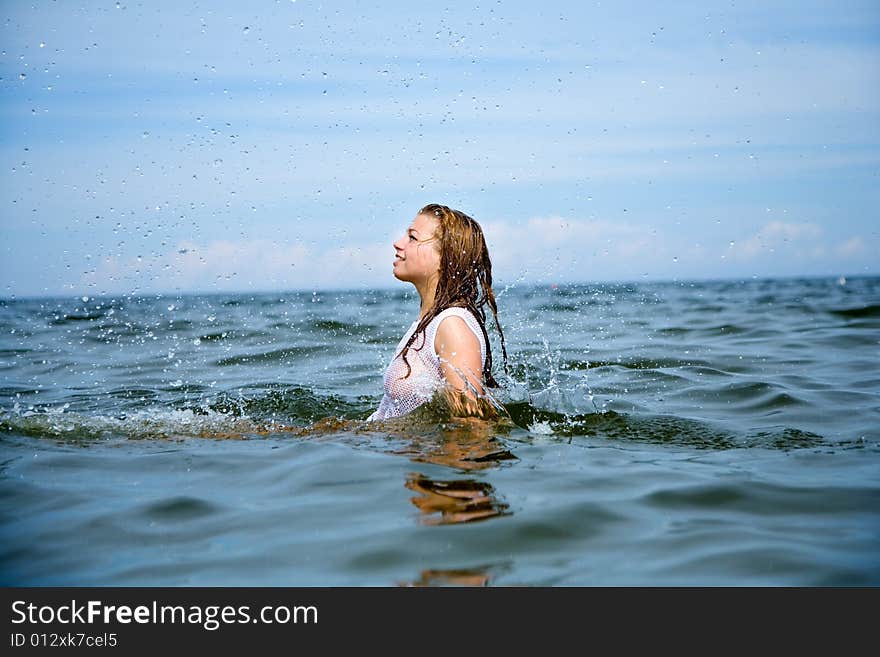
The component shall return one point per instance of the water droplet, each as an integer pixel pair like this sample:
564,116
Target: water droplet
246,30
42,45
22,76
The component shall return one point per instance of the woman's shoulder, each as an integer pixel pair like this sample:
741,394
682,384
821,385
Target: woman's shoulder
466,315
469,320
455,311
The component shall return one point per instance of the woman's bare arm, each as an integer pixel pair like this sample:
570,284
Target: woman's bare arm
461,365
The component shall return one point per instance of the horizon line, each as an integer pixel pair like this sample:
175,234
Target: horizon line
389,288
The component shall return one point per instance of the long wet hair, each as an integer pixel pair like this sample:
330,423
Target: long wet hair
465,279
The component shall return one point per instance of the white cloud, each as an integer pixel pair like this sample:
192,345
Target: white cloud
776,235
854,246
240,266
540,250
550,248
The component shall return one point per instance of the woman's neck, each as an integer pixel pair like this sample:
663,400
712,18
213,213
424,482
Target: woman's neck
427,293
427,304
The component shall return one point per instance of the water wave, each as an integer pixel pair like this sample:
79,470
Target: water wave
859,312
301,412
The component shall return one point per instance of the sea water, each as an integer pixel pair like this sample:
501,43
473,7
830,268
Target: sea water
680,433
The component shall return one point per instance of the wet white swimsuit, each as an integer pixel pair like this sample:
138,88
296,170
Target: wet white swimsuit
403,395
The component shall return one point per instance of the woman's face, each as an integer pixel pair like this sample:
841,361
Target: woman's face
417,253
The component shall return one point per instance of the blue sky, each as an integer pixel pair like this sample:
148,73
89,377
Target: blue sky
184,147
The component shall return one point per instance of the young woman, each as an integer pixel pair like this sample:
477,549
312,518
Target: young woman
446,350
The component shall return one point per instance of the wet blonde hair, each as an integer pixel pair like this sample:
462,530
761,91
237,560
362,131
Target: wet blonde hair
465,278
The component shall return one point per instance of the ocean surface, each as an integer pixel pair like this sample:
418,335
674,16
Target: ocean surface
682,433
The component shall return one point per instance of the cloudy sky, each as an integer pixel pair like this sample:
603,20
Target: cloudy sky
183,147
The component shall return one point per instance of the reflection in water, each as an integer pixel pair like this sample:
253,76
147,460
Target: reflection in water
468,445
455,577
454,501
464,444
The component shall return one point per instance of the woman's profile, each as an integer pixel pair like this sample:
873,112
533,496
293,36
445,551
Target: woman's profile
446,350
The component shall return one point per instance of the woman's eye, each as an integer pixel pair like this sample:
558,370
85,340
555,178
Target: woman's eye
412,238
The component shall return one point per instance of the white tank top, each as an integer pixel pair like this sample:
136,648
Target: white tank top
404,395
